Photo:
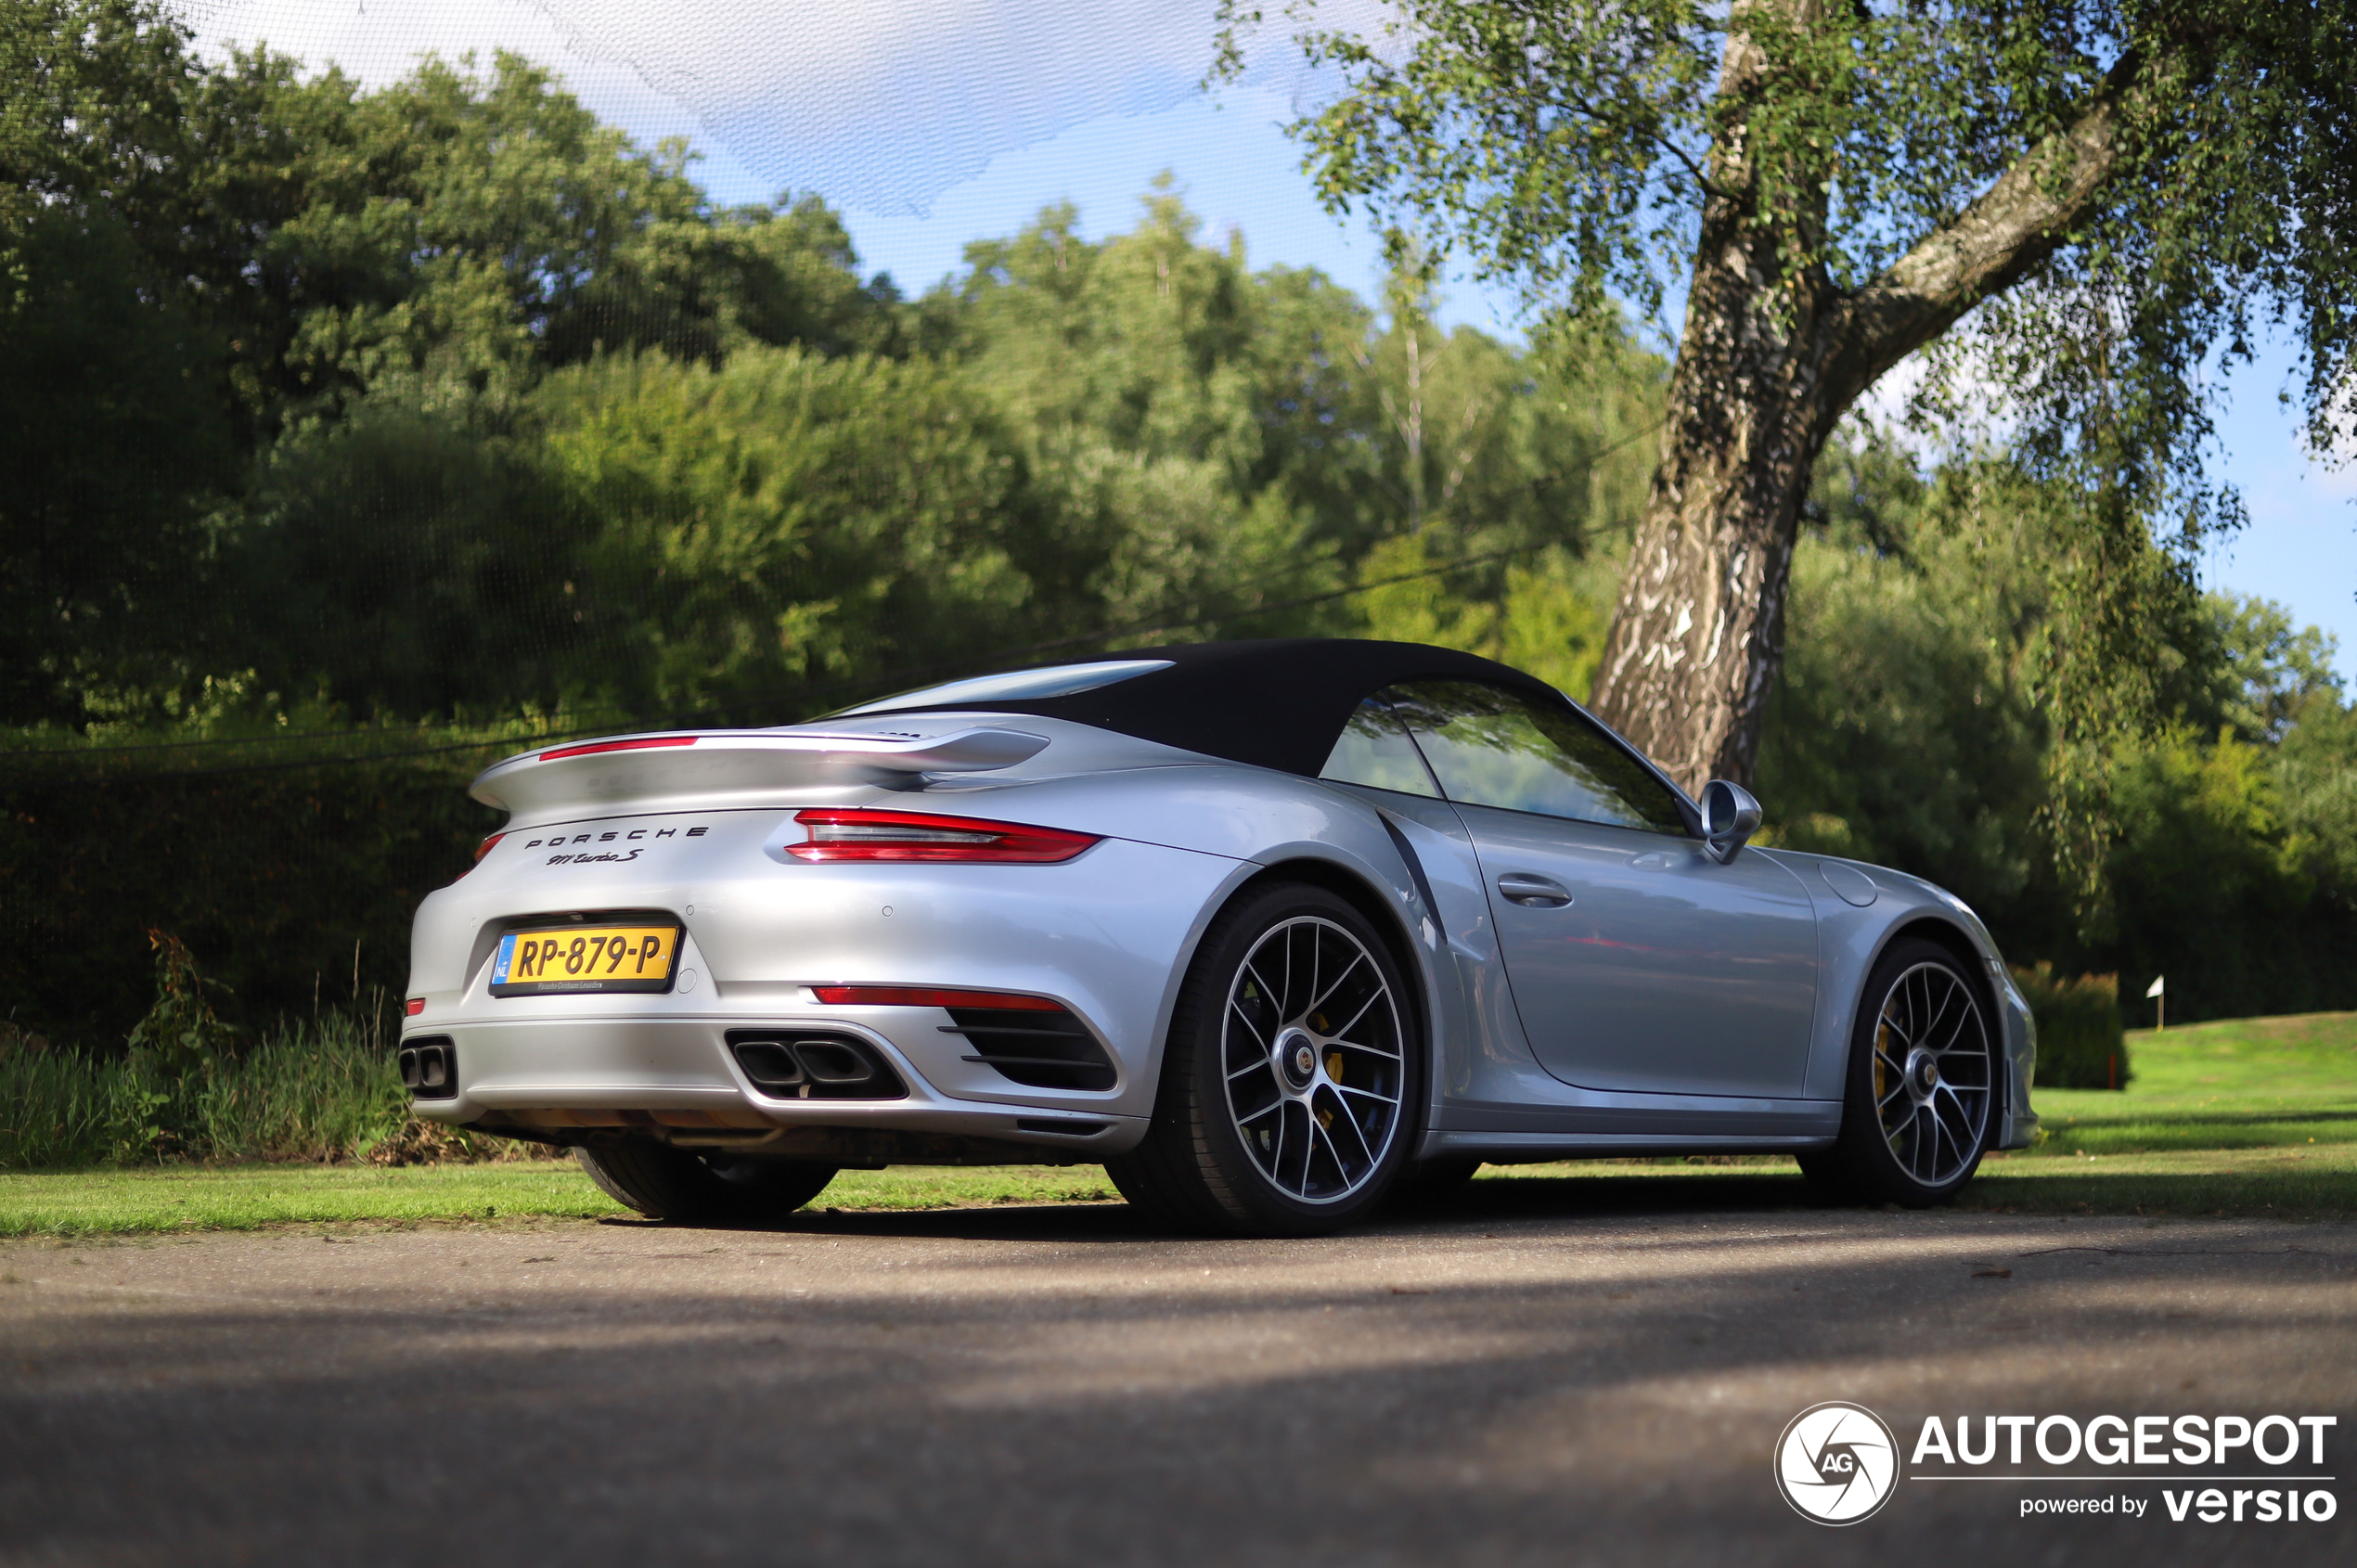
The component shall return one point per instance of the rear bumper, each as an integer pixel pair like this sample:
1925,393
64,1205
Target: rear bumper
570,1078
1104,936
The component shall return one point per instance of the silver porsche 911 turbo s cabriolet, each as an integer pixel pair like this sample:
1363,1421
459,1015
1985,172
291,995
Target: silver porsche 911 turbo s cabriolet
1270,928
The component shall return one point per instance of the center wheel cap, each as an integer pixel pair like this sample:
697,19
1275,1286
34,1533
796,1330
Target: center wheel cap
1923,1073
1297,1059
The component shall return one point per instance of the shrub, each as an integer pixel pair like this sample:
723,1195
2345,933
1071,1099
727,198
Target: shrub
2081,1044
322,1089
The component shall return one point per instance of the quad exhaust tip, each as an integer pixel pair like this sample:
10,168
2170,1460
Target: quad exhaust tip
802,1065
430,1069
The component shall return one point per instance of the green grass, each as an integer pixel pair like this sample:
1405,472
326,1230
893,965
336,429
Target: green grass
2253,1116
2247,1116
249,1197
2250,1083
186,1198
2299,1182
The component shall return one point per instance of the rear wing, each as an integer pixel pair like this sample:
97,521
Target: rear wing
711,765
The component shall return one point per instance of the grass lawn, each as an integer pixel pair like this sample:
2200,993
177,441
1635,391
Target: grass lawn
2255,1116
176,1197
2245,1083
2247,1116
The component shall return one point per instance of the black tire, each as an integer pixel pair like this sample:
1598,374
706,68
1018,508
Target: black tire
1287,1104
1919,1100
690,1189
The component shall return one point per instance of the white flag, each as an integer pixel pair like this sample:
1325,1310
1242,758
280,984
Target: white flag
2154,989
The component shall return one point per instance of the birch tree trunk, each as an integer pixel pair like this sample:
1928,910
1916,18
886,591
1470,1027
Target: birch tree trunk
1768,361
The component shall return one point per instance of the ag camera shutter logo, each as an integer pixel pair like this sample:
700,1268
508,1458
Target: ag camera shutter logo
1837,1464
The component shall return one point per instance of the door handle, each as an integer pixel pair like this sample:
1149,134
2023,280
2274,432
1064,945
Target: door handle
1536,893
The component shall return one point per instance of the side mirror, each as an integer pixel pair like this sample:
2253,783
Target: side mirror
1729,817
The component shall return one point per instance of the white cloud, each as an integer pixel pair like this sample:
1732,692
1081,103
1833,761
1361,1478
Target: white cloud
881,105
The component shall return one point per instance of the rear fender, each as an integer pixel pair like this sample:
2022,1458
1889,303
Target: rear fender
1360,860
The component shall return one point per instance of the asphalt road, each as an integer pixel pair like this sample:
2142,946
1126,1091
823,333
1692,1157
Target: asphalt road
1521,1381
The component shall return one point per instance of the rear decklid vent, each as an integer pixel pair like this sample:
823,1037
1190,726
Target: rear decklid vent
1042,1048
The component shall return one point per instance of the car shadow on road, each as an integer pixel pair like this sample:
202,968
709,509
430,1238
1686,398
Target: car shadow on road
1483,1204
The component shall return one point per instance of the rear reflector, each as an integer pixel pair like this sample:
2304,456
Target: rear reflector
848,833
928,996
414,1006
643,743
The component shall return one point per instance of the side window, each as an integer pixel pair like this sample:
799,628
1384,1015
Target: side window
1375,749
1490,746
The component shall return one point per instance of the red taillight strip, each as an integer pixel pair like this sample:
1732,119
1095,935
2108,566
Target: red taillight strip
849,833
928,996
644,743
480,850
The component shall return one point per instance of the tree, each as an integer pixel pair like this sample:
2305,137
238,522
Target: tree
111,425
2111,189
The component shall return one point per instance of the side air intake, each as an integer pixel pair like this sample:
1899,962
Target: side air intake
1042,1049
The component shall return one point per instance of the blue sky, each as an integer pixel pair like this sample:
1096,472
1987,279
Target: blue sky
930,123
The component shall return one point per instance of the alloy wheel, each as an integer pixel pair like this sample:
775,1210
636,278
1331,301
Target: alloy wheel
1934,1074
1311,1054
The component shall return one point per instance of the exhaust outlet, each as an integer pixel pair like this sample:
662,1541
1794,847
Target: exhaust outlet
814,1066
430,1069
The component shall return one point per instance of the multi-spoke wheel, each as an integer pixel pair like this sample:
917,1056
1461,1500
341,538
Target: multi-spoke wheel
1290,1080
1311,1050
1921,1092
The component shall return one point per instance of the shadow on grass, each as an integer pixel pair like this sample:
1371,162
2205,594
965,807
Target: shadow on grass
2170,1120
1499,1199
2292,1194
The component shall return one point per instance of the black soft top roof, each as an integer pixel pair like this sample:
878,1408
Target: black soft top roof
1279,703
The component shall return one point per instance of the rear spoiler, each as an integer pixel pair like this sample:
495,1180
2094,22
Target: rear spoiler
706,764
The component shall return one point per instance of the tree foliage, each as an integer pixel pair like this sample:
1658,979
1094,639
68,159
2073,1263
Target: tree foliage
1911,730
2111,196
436,417
1566,147
442,398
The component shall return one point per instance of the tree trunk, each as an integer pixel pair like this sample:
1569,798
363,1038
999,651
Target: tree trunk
1767,364
1698,634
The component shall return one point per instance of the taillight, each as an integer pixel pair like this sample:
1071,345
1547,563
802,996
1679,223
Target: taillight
929,996
641,744
480,850
848,833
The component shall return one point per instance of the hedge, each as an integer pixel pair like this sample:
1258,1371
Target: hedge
2081,1043
293,886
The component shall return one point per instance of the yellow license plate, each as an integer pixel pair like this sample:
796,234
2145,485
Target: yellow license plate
569,958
